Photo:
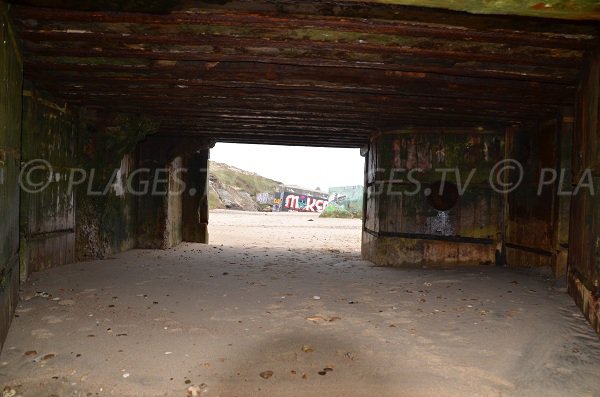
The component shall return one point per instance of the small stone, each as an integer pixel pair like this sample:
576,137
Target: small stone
307,349
266,374
9,392
195,391
30,353
316,297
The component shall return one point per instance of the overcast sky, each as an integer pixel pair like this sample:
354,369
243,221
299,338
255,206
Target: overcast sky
308,167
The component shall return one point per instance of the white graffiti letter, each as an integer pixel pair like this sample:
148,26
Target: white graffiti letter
291,202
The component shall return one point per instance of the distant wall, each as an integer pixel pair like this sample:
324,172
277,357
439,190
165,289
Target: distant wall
298,201
403,226
349,197
265,198
11,79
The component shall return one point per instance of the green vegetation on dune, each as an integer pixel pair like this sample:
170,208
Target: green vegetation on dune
242,180
235,180
337,211
214,202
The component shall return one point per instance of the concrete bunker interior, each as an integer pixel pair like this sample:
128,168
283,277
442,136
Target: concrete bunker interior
116,87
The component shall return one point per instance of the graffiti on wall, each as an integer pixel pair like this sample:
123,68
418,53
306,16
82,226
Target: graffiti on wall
441,224
265,198
302,202
348,197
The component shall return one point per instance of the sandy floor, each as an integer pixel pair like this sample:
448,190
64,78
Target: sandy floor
290,299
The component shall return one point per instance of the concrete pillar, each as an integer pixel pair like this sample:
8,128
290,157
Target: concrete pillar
564,205
174,205
195,198
155,156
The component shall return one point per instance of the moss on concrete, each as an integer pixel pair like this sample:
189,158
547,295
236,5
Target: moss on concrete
108,222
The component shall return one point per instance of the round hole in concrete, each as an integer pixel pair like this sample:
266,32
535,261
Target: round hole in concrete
443,197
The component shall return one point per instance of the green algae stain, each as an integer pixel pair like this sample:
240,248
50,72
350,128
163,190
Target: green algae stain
567,9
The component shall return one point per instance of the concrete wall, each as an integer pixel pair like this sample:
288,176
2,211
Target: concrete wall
11,75
531,237
48,215
106,223
402,226
87,210
107,204
584,244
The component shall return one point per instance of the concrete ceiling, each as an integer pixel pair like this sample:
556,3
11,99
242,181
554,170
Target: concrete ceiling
316,73
566,9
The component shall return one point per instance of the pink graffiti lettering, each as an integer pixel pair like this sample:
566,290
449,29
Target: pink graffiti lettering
312,204
291,202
